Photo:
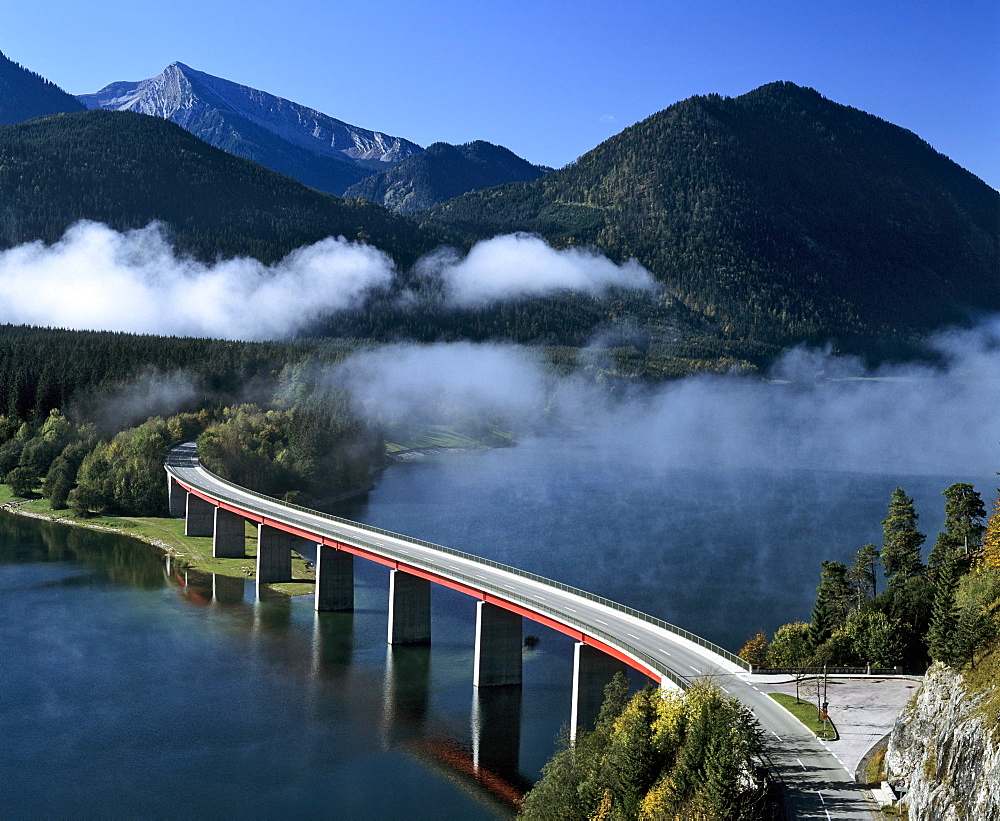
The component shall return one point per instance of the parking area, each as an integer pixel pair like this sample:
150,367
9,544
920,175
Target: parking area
863,709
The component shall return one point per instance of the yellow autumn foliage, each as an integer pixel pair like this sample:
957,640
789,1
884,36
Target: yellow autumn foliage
991,538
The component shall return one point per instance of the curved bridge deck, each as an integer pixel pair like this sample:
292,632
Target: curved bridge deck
817,785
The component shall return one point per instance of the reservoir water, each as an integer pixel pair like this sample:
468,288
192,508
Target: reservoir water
130,688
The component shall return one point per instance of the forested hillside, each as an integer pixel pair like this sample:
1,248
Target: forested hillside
442,172
127,170
782,215
25,95
89,416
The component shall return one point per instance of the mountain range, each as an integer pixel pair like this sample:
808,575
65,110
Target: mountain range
308,145
770,219
289,138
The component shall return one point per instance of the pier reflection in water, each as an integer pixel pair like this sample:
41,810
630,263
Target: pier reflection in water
308,711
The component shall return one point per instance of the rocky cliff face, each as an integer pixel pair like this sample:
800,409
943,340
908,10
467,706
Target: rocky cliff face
943,749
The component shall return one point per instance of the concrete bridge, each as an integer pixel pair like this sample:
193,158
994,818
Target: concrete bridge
608,635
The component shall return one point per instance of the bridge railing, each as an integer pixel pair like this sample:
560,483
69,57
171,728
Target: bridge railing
524,574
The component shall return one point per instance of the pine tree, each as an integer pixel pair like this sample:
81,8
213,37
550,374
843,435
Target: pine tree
901,540
864,573
963,524
833,601
942,638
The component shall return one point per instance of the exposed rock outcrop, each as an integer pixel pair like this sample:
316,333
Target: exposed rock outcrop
943,751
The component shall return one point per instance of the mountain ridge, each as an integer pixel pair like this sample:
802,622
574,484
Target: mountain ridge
301,142
441,172
25,95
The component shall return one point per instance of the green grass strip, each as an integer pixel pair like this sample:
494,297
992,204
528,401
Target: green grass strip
807,713
168,535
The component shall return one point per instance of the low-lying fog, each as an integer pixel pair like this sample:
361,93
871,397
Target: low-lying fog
813,415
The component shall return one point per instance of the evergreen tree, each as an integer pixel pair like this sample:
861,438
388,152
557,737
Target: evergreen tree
942,638
833,601
864,573
965,514
901,540
976,629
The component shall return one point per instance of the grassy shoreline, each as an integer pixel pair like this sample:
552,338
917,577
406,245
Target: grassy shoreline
167,535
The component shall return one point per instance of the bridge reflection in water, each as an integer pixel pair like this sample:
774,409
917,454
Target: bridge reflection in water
487,768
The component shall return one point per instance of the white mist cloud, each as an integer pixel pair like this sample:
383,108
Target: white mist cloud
151,393
826,413
523,265
418,382
814,412
100,279
96,278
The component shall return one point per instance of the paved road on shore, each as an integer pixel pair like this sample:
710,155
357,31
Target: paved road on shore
816,784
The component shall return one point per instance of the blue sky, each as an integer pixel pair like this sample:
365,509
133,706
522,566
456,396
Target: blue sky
549,79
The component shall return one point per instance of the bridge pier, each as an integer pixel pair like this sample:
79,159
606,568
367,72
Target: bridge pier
409,609
177,497
229,535
593,670
334,579
498,646
199,518
274,555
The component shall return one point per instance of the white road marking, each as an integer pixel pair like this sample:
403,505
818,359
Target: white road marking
633,635
665,652
693,668
602,621
776,735
803,766
821,798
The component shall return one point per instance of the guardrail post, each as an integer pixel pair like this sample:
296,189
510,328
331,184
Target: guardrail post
498,646
334,579
176,497
592,672
274,555
229,537
199,517
409,609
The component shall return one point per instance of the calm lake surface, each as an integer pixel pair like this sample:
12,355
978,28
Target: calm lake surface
128,689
